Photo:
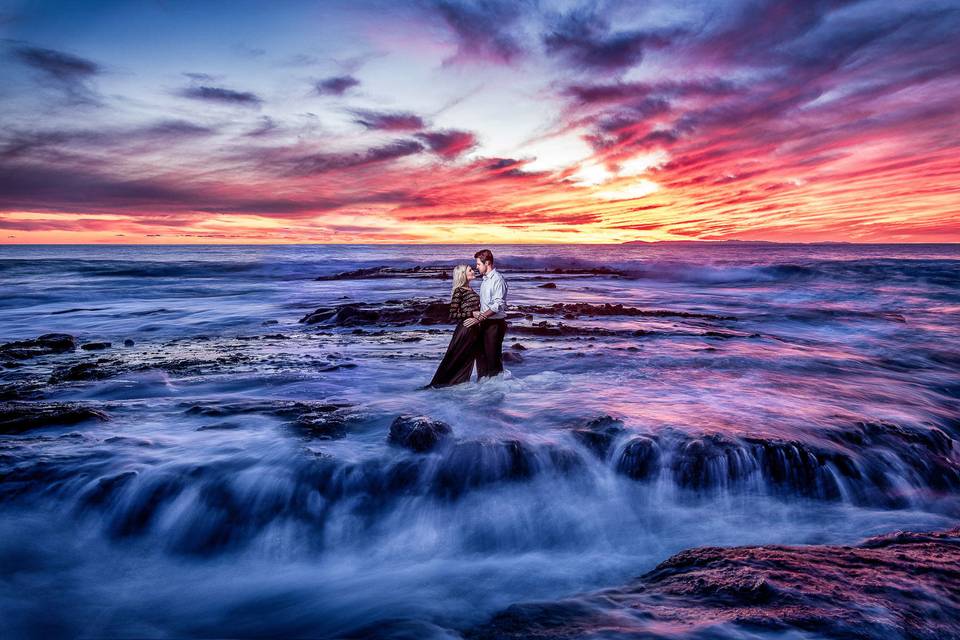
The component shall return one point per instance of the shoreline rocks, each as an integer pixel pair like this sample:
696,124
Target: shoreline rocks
418,433
18,417
47,344
897,585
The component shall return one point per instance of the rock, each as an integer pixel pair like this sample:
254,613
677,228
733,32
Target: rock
128,342
17,417
516,346
46,344
367,273
902,585
510,357
571,310
547,285
640,459
390,313
96,346
598,434
82,371
269,323
418,433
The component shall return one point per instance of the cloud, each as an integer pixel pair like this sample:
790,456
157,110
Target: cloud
69,73
336,85
449,144
482,29
222,95
318,163
389,120
586,41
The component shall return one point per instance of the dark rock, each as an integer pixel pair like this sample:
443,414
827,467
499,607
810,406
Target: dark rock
510,357
475,463
219,426
322,426
571,310
599,433
547,285
46,344
518,347
418,433
96,346
367,273
269,323
290,409
640,458
17,417
390,313
82,371
710,592
128,342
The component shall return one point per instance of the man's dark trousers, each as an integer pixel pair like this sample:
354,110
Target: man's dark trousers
490,358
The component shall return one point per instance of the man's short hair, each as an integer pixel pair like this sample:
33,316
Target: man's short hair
484,255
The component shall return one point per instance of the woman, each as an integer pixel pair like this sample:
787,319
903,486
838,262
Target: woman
457,364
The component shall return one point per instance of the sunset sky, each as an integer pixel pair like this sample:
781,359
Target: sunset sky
479,121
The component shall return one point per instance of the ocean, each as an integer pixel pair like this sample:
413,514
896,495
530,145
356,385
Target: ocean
234,475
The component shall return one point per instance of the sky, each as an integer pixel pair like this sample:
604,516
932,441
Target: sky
177,121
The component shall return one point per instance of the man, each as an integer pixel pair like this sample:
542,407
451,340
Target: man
492,316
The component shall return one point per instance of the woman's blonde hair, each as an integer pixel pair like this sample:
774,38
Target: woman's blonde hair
459,276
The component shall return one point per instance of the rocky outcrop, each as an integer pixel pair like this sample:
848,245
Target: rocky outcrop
902,585
571,310
418,433
370,273
390,313
17,417
46,344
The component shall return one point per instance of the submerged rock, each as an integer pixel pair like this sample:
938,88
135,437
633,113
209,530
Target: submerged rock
100,370
547,285
599,434
571,310
902,585
640,458
368,273
418,433
96,346
44,345
17,417
390,313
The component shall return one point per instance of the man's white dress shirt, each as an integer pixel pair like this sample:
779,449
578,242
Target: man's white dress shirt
493,295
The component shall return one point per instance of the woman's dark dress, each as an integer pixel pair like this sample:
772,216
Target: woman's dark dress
457,364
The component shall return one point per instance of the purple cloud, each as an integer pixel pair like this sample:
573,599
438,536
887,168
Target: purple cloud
336,85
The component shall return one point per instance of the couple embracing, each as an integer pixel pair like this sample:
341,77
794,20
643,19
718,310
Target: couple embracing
481,324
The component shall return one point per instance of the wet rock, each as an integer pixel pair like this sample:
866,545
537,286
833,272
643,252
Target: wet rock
46,344
711,461
640,459
599,434
547,329
96,346
547,285
418,433
571,310
290,409
368,273
17,417
390,313
128,342
82,371
516,346
475,463
510,357
829,591
269,323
